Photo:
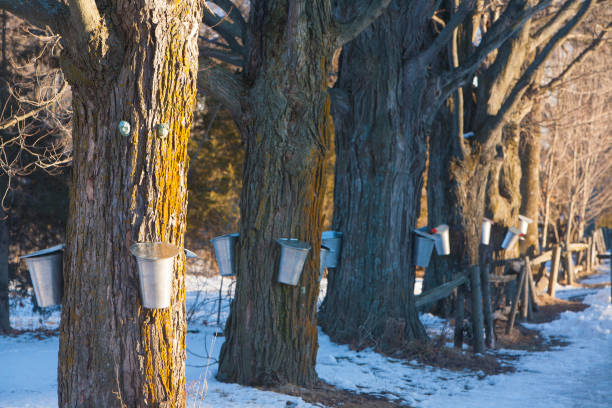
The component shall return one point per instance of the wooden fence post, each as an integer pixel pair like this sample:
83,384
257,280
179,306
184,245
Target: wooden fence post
554,270
594,260
459,314
588,255
570,267
489,324
477,319
533,295
525,303
517,298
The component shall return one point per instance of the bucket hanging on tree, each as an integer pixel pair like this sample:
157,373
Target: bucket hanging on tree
333,241
511,238
155,271
485,237
224,252
293,256
423,247
323,259
45,268
442,239
524,224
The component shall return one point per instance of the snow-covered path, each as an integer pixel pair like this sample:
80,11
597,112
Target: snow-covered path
579,375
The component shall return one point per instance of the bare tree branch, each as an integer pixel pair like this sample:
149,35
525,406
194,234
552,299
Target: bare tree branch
85,16
222,26
233,12
504,28
445,36
223,84
367,12
494,121
41,13
18,118
550,27
594,46
222,55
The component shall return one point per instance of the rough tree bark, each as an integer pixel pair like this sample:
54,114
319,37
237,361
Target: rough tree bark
134,61
503,196
381,151
387,96
530,180
280,103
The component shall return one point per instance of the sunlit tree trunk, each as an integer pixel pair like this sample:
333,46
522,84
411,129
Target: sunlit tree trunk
282,109
530,180
133,61
272,329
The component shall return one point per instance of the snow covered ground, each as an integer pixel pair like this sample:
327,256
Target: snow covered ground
579,375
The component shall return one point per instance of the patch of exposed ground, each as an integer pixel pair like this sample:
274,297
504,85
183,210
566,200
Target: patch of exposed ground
522,338
330,396
39,334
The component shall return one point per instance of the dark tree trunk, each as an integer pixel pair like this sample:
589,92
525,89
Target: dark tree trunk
439,207
127,189
380,159
285,120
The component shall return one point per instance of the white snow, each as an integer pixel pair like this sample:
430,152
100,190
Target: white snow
578,375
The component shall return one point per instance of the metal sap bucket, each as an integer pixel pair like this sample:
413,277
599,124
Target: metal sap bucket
293,256
511,238
45,268
485,237
442,239
224,252
333,241
524,224
423,246
323,259
155,270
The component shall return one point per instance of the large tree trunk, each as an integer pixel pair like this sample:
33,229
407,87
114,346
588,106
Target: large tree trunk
530,180
439,198
272,328
503,191
127,189
380,159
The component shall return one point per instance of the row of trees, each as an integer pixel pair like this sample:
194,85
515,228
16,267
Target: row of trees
414,78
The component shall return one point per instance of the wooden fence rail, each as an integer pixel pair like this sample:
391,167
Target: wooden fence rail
479,277
440,292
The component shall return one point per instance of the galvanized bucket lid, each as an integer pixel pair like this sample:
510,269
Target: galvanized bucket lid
154,250
294,243
331,234
514,230
424,234
47,251
440,229
234,235
190,254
